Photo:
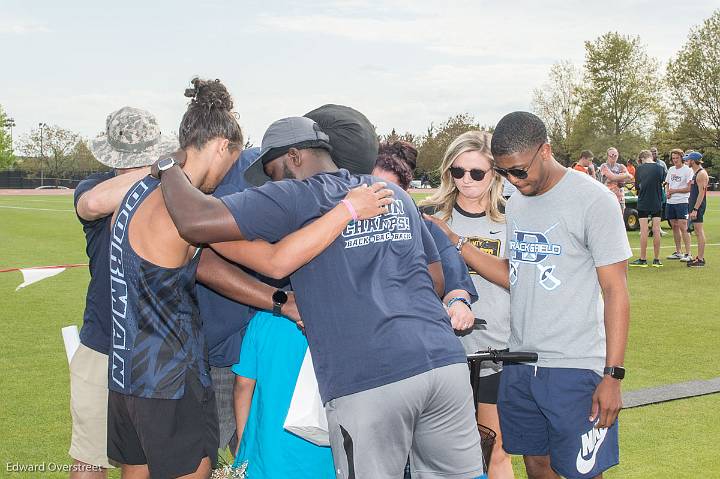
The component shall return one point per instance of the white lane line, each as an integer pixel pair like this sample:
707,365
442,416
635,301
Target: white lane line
36,209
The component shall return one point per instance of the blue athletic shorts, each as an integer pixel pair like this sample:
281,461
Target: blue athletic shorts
545,411
677,212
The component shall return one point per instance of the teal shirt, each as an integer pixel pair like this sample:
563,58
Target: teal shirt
272,352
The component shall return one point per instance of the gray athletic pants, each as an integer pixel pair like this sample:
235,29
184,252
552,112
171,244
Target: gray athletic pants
430,417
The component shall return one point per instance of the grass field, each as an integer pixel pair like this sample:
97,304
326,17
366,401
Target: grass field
674,334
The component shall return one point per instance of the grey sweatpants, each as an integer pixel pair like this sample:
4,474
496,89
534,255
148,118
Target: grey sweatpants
223,382
430,417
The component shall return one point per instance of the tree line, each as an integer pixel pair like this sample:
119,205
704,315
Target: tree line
620,96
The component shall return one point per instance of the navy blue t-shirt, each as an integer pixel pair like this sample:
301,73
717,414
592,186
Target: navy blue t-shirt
223,320
97,326
370,312
454,268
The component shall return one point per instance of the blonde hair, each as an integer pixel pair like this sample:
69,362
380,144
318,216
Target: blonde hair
445,198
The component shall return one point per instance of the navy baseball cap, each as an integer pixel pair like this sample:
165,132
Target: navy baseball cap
694,156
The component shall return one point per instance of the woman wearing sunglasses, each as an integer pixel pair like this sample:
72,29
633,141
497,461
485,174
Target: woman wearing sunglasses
469,206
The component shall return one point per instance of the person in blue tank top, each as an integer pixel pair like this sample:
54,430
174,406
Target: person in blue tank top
162,420
391,372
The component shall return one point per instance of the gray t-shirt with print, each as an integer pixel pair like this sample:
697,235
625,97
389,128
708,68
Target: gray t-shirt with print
555,243
493,303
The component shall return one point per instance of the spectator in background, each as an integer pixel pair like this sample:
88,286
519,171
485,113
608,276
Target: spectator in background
585,163
631,167
698,203
649,183
614,175
657,159
677,190
470,201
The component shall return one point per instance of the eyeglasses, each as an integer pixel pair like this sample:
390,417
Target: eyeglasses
519,173
476,173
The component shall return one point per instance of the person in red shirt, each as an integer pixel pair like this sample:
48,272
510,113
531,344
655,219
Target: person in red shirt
585,163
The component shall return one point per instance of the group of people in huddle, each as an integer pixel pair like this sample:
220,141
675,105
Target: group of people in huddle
215,268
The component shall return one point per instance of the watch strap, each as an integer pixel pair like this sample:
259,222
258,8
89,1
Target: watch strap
462,300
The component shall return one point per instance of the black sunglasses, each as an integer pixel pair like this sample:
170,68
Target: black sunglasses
519,173
475,173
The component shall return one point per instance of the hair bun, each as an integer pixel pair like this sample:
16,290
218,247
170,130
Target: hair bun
208,94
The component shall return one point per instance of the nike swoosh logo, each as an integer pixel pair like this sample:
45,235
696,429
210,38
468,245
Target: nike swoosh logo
585,465
494,232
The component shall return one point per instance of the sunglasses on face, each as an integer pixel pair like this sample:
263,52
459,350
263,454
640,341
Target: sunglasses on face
519,173
475,173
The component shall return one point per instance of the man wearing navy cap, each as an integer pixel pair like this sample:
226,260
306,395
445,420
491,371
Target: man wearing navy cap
697,203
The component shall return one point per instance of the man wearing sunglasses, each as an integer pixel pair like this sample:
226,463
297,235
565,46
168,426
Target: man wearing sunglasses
566,245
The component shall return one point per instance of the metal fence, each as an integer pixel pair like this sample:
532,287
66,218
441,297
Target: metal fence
21,179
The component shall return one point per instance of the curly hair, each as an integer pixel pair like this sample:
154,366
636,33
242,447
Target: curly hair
209,115
400,158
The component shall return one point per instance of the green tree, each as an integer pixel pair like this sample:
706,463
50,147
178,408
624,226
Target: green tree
622,87
7,158
83,159
557,102
693,77
51,148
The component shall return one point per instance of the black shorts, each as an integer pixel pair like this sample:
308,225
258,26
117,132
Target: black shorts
171,436
488,388
649,214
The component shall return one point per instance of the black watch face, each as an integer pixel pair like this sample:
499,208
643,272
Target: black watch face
279,296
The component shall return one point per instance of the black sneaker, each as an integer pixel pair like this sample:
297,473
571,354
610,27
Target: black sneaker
656,263
696,263
641,263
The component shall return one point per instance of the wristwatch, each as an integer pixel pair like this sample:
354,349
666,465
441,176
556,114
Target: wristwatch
279,298
165,164
616,372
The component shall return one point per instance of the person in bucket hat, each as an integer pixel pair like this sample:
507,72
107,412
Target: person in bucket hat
131,141
132,138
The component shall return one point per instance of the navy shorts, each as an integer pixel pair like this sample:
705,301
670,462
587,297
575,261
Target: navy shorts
677,212
544,411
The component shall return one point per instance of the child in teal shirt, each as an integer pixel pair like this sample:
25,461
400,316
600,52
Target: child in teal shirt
270,358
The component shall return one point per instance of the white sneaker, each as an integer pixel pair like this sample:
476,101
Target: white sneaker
686,259
675,255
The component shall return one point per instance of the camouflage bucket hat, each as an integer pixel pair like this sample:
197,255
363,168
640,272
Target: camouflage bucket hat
132,138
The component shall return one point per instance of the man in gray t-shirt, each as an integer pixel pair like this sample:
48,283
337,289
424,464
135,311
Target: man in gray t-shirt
566,271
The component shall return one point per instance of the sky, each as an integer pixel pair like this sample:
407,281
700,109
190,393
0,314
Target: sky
404,64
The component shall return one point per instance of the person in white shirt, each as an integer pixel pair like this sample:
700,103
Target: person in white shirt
677,188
